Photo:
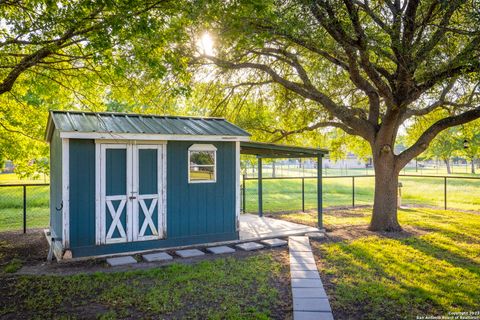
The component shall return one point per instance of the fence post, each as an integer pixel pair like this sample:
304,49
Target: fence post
303,194
353,191
445,192
24,208
244,201
260,188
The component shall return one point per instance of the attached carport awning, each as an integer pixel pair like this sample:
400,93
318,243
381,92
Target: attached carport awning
271,150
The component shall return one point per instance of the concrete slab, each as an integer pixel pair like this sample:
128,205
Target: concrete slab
307,283
274,242
158,256
299,239
299,244
312,315
305,259
311,304
301,254
302,274
253,227
220,250
309,293
189,253
121,261
316,235
249,246
303,266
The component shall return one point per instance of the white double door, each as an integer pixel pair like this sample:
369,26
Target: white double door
131,203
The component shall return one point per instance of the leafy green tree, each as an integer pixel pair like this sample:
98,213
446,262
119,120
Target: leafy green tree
470,134
366,67
86,54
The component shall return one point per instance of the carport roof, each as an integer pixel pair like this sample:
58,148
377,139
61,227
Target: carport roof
272,150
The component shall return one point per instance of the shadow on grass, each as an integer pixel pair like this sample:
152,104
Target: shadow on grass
391,278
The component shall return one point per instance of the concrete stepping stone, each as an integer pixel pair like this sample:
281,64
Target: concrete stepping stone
304,260
274,242
249,246
309,293
303,266
189,253
301,254
311,304
220,250
316,235
312,315
299,244
307,283
302,274
158,256
121,261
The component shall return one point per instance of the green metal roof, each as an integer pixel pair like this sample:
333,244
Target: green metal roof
112,122
271,150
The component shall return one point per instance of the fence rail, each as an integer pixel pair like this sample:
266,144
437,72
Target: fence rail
444,180
9,198
24,206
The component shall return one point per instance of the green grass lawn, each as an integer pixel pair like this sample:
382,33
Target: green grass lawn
431,269
12,178
11,207
286,195
224,288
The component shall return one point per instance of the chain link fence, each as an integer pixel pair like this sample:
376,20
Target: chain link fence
283,194
24,206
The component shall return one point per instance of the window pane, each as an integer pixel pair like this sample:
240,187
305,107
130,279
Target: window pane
202,157
202,173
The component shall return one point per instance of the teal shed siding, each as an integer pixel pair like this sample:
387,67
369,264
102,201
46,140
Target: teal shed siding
200,208
56,220
196,213
82,193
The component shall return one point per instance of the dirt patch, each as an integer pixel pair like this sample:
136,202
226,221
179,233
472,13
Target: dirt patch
348,233
30,248
282,284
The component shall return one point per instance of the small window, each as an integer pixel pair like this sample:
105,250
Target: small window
202,163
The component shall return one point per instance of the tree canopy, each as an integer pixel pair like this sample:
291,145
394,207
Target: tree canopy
94,55
366,67
285,68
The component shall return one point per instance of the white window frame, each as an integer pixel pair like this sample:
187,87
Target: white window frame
203,148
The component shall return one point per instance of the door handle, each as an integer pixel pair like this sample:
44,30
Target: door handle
133,196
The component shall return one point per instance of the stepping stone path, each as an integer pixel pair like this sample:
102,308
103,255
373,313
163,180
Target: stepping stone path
220,250
159,256
274,242
121,261
249,246
189,253
310,300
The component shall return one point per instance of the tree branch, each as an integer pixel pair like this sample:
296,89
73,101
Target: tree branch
364,128
422,143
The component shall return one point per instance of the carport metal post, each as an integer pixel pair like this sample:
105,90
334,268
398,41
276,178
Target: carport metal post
260,189
319,193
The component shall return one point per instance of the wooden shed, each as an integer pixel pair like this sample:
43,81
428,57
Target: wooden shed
130,182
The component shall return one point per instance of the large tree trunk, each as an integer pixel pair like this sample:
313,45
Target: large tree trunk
384,217
447,163
473,165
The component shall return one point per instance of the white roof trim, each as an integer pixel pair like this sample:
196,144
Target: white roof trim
143,136
202,147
